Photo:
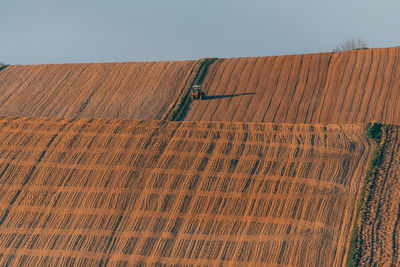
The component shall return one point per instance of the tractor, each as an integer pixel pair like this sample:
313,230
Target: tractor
197,93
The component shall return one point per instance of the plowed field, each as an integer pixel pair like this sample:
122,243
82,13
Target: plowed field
346,87
379,225
95,191
145,90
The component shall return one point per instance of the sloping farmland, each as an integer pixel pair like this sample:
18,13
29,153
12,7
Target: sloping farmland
136,90
346,87
96,191
379,226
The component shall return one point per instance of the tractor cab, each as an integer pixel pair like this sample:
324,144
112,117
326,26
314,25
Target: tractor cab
197,93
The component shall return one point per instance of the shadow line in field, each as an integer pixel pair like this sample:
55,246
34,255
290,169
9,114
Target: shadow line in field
211,97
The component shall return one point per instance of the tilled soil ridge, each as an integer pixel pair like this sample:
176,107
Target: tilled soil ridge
379,224
347,87
96,191
135,90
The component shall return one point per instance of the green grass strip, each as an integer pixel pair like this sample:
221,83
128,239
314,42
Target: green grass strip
374,131
198,80
2,67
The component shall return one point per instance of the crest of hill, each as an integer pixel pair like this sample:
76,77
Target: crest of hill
347,87
125,192
145,90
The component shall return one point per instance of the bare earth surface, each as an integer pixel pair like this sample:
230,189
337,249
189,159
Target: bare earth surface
347,87
379,226
95,191
138,90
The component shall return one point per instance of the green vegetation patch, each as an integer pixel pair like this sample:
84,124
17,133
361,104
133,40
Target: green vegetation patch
374,131
200,75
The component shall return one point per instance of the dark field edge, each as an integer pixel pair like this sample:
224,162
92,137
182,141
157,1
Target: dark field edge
2,67
169,114
374,131
179,112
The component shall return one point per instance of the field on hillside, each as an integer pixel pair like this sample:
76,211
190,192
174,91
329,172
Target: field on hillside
141,90
347,87
379,225
93,191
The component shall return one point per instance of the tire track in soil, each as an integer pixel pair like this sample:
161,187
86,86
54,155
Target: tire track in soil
298,105
375,77
227,81
364,84
314,104
342,99
274,90
286,87
292,93
243,118
338,97
391,111
269,71
378,83
332,80
346,109
390,85
234,112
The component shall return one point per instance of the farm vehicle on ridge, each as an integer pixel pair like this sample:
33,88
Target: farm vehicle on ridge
197,93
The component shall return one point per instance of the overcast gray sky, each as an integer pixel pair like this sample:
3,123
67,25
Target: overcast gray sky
59,31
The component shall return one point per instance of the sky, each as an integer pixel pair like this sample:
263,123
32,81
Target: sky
74,31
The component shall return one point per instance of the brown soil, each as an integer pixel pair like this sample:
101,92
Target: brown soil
379,225
143,90
347,87
95,191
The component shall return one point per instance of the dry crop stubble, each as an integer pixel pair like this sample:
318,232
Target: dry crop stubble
136,90
347,87
95,191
